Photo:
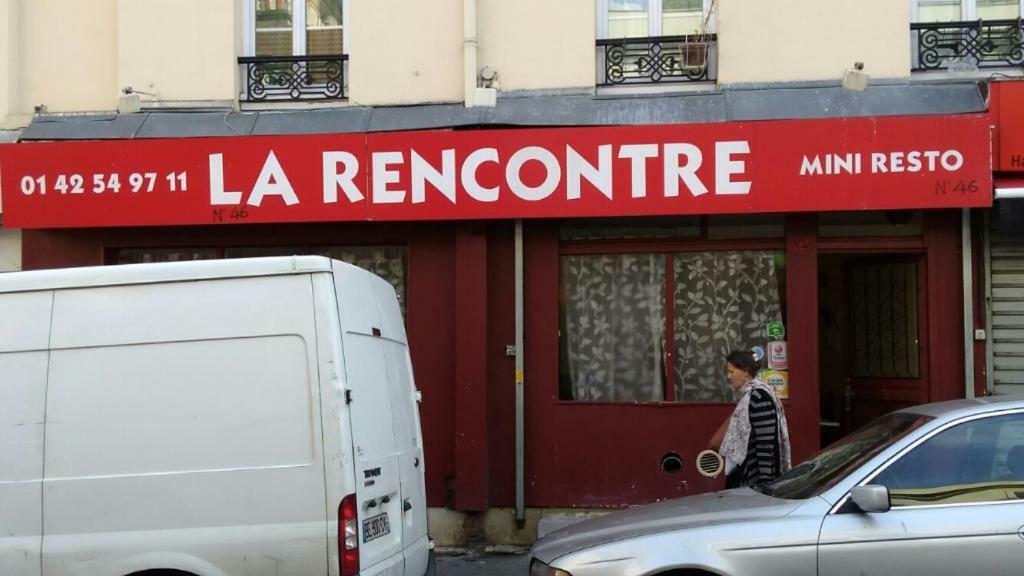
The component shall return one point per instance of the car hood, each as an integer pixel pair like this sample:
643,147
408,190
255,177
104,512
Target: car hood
715,508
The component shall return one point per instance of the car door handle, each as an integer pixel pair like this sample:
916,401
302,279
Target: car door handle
406,505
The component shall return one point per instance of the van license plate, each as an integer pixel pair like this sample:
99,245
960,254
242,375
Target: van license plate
376,527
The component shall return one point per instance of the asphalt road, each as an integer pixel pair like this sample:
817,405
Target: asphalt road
477,564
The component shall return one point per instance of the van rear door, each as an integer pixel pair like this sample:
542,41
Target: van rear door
408,436
377,464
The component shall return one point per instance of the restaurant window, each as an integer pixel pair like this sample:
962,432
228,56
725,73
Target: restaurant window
655,325
295,27
388,262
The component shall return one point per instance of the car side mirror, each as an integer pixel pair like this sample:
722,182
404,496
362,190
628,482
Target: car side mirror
871,498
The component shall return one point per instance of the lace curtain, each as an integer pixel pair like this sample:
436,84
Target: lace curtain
385,261
614,316
723,302
613,334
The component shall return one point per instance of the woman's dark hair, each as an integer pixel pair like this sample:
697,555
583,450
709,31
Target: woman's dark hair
744,360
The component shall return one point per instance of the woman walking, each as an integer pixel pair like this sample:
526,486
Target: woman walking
754,441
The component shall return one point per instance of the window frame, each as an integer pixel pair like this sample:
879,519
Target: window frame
299,28
870,477
655,18
968,10
668,247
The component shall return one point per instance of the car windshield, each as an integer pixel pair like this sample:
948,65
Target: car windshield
821,472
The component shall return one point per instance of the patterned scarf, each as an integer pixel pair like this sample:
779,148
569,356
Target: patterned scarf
737,435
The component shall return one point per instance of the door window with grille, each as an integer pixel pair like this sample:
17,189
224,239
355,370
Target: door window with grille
884,316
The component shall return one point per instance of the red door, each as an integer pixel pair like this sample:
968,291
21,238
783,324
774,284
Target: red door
886,354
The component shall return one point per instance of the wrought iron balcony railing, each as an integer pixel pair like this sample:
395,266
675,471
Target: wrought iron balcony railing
656,60
269,78
967,45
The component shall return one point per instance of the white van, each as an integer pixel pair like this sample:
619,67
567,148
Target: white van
235,417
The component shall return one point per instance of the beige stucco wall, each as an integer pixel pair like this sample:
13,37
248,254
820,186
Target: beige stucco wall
806,40
9,65
68,50
538,44
182,50
404,52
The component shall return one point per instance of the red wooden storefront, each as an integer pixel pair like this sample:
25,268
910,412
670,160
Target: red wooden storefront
458,258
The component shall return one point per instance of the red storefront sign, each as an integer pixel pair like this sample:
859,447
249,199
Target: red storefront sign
1007,110
738,167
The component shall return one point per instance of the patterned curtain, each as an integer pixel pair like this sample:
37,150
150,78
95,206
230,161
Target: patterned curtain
614,326
723,302
146,256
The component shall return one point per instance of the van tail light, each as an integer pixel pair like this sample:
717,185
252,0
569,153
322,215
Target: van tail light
348,536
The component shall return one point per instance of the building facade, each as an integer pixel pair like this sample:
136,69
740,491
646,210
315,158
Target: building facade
583,205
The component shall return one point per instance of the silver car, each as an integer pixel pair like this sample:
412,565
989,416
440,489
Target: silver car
936,490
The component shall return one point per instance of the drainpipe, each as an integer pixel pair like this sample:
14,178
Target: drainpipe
469,46
968,258
989,352
520,397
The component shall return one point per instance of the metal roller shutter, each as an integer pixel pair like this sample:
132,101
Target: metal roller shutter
1006,311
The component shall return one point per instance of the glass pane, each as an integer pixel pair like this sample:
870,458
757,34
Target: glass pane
612,327
274,27
884,310
939,11
998,9
147,255
323,27
859,224
724,301
980,461
740,227
680,17
263,252
627,18
631,228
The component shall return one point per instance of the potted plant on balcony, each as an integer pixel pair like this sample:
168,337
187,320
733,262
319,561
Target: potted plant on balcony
694,48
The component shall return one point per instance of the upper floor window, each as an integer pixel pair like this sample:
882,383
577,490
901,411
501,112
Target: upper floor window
643,18
296,27
965,10
654,41
294,50
966,35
